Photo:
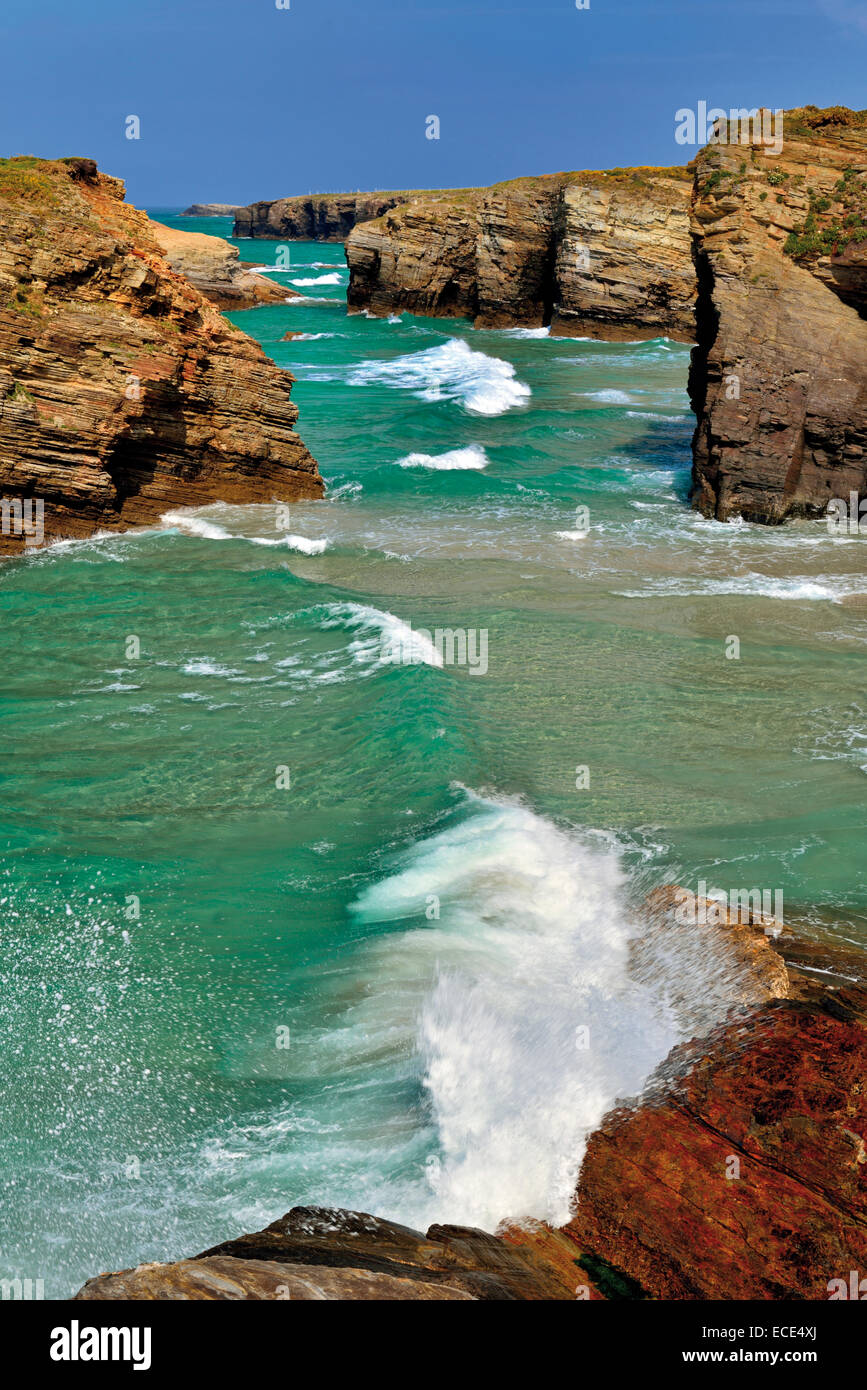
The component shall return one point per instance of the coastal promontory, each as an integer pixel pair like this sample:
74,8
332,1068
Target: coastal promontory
123,390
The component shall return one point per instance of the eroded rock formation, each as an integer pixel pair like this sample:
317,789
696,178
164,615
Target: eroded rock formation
213,265
313,217
123,392
741,1173
212,210
601,255
779,376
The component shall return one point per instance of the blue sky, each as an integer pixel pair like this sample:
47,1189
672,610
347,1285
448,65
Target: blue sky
240,100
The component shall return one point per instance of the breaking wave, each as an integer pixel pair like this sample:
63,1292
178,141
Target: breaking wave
451,371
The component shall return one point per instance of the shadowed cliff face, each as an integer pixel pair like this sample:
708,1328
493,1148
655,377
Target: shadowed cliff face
779,377
315,217
123,392
601,255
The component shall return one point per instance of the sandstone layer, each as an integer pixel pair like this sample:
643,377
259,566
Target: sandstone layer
779,375
591,254
123,392
740,1173
313,217
214,266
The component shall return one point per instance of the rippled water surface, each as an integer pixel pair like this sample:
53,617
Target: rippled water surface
426,902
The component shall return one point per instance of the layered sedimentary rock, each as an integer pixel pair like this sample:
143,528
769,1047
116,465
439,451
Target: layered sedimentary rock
213,265
747,1177
741,1173
779,376
123,391
601,255
319,1253
313,217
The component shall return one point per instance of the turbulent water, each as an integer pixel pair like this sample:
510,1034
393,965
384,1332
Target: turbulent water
286,919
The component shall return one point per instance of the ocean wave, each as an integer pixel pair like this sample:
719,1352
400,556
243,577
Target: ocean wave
204,667
472,456
305,283
303,544
609,396
515,955
452,371
797,587
195,526
525,332
654,415
377,635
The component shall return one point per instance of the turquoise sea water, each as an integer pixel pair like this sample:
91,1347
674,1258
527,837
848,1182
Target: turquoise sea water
431,906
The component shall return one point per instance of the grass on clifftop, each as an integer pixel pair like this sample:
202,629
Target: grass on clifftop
25,178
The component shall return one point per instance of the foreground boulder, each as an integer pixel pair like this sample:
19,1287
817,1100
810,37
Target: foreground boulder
322,1253
779,376
602,255
123,392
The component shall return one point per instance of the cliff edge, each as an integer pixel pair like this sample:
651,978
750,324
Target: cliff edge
606,255
123,392
778,380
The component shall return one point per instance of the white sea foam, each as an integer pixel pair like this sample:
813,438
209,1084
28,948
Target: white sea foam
609,397
473,456
376,633
654,415
796,588
205,667
532,944
303,544
317,280
196,526
526,332
451,371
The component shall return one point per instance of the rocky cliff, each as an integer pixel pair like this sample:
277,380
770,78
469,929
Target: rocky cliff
212,210
313,217
741,1173
213,265
123,392
601,255
779,375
